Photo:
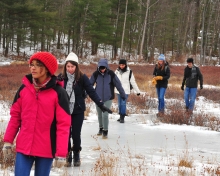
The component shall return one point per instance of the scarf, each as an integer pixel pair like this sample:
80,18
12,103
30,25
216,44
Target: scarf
37,85
121,71
70,91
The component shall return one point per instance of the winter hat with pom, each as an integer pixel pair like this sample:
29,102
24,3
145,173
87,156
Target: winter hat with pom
72,57
161,57
47,59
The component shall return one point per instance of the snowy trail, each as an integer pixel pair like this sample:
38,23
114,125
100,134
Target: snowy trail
152,142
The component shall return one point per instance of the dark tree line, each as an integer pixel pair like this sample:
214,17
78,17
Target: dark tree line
137,27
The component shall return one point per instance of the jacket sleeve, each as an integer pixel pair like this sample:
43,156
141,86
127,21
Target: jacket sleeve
200,76
15,119
63,123
117,84
167,74
184,77
134,84
91,91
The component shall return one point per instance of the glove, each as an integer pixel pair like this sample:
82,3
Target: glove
104,108
201,87
138,94
158,78
7,151
154,82
59,162
182,87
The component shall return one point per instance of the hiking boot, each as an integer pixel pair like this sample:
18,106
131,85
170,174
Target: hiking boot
68,159
67,164
122,117
76,158
104,134
100,132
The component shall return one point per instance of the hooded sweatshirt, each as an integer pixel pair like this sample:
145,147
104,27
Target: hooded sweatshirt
106,82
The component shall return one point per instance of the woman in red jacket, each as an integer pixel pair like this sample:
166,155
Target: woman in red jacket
40,118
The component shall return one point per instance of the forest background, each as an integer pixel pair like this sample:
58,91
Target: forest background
133,29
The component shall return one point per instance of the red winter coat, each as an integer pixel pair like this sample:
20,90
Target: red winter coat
41,120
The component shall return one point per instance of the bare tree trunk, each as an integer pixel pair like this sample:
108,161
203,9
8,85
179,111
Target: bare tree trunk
202,53
68,41
197,23
144,29
115,48
123,32
186,28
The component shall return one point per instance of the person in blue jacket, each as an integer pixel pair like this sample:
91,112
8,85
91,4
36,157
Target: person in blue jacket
106,80
77,85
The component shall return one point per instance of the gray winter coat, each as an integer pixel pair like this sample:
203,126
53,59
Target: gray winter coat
105,83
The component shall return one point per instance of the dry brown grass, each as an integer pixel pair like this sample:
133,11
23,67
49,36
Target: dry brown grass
8,163
10,81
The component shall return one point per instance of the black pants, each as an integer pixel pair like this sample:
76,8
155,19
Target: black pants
75,134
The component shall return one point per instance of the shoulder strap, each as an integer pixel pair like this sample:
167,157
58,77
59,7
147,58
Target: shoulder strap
95,74
166,68
130,74
112,74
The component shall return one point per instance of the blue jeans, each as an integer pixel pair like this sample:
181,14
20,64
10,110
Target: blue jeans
190,97
122,104
160,94
23,164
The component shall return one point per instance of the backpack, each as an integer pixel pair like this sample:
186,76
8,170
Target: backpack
131,87
110,72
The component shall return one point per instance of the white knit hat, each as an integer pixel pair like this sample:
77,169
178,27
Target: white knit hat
72,57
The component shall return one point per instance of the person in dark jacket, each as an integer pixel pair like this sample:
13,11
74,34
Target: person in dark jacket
191,76
40,119
106,80
161,75
76,83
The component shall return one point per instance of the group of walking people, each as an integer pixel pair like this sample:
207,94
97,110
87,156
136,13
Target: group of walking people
48,111
192,75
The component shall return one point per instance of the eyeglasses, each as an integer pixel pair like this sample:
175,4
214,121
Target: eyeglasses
38,65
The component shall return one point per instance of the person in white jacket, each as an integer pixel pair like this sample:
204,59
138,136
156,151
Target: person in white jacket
126,76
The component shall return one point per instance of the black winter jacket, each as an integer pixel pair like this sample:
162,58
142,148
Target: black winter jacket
165,73
191,77
79,87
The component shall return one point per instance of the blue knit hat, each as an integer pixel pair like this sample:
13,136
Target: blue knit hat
161,57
